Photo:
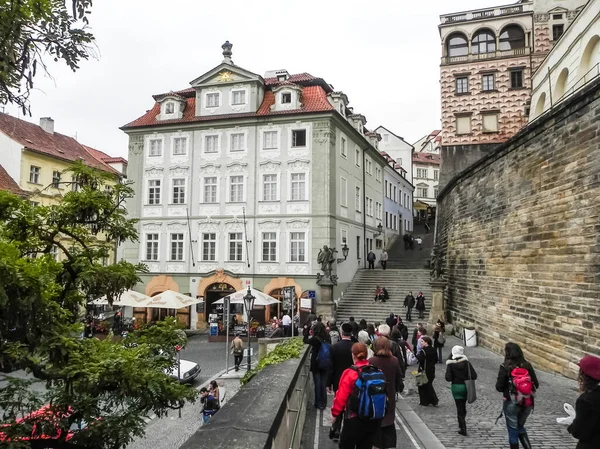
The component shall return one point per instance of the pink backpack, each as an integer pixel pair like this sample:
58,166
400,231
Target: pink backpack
521,387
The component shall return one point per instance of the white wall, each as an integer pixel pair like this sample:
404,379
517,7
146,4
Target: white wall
398,149
11,157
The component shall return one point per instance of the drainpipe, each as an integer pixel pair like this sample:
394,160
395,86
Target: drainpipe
364,209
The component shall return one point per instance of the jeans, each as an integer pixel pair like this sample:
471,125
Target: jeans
371,264
287,331
440,360
238,360
409,313
384,264
320,379
515,420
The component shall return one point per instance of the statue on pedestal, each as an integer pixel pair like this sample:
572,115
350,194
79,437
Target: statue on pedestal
437,262
326,258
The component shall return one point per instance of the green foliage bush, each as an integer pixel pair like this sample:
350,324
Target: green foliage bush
289,349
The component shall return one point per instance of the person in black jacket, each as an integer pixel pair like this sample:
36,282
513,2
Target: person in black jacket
586,425
409,303
341,357
391,320
459,369
515,414
427,358
319,336
403,329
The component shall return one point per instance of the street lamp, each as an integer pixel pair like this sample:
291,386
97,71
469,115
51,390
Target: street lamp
249,303
379,230
345,251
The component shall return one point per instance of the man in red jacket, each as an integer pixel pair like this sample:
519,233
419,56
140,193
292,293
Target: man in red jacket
356,434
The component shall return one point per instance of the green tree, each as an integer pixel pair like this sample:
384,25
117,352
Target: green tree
31,30
112,385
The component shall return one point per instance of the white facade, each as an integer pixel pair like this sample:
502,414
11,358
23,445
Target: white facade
397,148
398,205
573,62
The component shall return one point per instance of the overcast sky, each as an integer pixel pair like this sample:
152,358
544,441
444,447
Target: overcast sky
384,54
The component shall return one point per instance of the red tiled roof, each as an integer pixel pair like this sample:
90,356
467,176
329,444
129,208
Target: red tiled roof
299,77
427,158
103,157
185,93
314,99
9,184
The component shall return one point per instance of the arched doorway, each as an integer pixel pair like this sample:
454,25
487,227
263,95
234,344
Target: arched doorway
219,277
214,292
159,314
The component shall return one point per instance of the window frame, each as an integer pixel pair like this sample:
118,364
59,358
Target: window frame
420,172
209,241
357,199
204,191
460,88
489,44
293,139
286,96
303,242
450,48
273,245
369,166
239,245
205,143
230,188
277,187
154,202
343,196
264,138
156,242
470,131
172,108
34,174
173,145
239,91
243,142
179,248
357,157
490,87
291,186
56,176
490,114
208,95
555,27
181,191
344,147
377,173
521,78
436,175
159,142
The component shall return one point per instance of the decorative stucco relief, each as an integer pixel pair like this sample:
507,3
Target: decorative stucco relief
298,208
204,267
153,267
297,224
136,145
234,210
270,166
265,209
179,170
210,169
236,167
236,267
264,268
208,210
208,226
299,164
297,269
175,268
152,211
176,212
177,226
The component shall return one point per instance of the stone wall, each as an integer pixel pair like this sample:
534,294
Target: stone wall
457,158
521,233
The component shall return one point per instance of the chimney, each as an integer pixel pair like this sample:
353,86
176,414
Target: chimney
47,124
227,52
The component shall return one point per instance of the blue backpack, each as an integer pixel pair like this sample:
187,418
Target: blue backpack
324,356
369,397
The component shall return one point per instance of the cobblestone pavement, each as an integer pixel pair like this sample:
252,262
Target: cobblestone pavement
171,431
543,430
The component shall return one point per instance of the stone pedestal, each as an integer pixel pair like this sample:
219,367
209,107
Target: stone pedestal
437,304
325,304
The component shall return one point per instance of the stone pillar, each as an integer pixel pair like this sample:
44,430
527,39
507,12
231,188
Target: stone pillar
437,303
325,304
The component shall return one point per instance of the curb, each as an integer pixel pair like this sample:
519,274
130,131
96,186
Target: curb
425,436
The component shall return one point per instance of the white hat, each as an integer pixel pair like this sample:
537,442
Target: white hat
458,351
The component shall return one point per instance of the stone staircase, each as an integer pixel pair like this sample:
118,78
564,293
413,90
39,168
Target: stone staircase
406,272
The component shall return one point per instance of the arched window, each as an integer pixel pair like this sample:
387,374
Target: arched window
561,84
484,42
512,37
457,45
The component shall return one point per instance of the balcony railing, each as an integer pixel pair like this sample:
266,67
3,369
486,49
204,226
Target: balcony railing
486,13
525,51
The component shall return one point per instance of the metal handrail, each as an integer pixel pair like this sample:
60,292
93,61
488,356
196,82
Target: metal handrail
301,402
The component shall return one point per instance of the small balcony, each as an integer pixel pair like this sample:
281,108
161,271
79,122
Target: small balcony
500,54
487,13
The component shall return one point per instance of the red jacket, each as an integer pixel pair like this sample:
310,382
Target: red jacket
347,381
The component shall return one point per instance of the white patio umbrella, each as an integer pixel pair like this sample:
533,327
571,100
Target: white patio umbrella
171,300
262,299
129,298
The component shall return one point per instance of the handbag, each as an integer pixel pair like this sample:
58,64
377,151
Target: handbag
410,358
420,376
470,384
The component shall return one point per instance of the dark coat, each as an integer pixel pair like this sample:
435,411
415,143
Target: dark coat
393,376
457,370
315,344
409,301
586,426
436,337
391,321
403,331
427,358
341,359
504,377
420,301
414,340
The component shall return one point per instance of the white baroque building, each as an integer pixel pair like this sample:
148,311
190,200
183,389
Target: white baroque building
241,180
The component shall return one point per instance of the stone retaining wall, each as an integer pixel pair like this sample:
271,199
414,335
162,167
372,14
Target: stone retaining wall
521,232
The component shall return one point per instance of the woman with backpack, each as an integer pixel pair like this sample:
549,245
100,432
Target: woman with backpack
357,432
517,382
427,357
586,425
319,362
458,370
439,338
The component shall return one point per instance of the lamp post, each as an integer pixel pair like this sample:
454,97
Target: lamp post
345,251
379,230
249,303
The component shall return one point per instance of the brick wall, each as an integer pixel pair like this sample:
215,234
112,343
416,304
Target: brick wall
521,234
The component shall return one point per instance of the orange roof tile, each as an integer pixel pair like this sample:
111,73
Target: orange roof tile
427,158
9,184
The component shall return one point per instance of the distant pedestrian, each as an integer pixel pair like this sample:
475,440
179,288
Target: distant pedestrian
371,258
458,370
341,357
412,242
356,433
286,322
386,295
403,329
406,239
391,320
237,349
378,294
409,303
439,338
278,332
419,242
384,259
355,328
420,305
371,332
318,338
586,426
427,358
421,332
362,325
333,332
517,405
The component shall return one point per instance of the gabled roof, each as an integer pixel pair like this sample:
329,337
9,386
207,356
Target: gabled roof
9,184
393,134
228,67
103,157
427,158
56,145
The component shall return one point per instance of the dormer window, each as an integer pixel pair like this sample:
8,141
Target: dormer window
238,97
169,108
212,100
286,98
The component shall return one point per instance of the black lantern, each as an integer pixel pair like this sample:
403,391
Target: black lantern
345,251
379,230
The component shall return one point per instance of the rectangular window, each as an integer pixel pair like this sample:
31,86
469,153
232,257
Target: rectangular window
421,173
169,108
270,140
210,189
236,142
387,219
395,223
422,192
212,100
211,144
155,148
34,174
344,192
370,207
386,137
377,174
516,79
463,125
286,98
54,252
154,191
298,187
488,82
436,175
378,244
395,197
177,247
239,97
378,211
490,123
343,149
236,186
269,247
369,167
151,246
435,192
179,191
298,138
344,237
55,179
74,184
179,146
235,246
209,246
357,199
462,85
386,189
557,31
357,157
298,247
269,187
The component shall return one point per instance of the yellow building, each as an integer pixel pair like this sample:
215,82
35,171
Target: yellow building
34,160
